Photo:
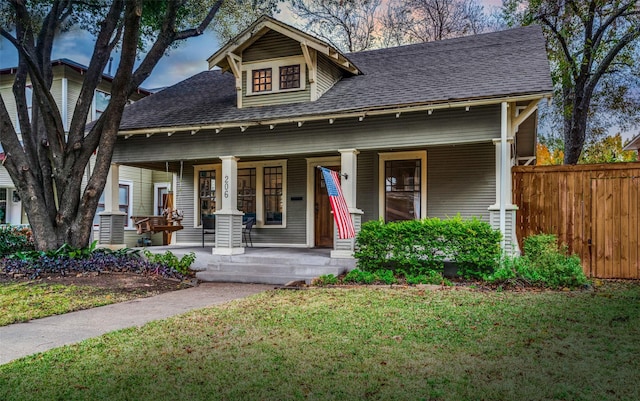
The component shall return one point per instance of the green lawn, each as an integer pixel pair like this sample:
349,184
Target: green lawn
349,344
21,302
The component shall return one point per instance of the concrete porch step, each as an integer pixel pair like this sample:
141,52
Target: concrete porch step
265,273
254,278
283,260
272,268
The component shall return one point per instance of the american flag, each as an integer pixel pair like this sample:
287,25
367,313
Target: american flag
338,204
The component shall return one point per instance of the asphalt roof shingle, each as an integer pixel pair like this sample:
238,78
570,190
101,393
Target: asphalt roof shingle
506,63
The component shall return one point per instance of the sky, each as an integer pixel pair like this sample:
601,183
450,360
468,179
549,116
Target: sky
180,63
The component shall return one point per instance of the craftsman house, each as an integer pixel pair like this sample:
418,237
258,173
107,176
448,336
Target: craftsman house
135,186
425,130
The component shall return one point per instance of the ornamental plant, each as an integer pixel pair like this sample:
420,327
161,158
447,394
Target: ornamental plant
420,247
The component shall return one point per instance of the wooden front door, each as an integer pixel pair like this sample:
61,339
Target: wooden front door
323,221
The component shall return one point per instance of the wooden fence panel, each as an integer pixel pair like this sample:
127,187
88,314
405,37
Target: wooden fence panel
594,209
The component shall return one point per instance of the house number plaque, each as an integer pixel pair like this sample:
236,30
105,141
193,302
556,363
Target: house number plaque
226,186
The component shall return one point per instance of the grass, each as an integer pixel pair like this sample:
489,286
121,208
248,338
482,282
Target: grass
374,344
21,302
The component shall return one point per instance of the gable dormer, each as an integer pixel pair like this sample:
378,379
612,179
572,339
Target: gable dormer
274,63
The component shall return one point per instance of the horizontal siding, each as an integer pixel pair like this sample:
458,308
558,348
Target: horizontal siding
5,179
10,103
367,191
480,124
328,74
461,179
275,98
271,45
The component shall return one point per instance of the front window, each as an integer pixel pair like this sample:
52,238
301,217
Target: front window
207,188
247,191
402,193
125,204
101,103
290,76
262,80
273,195
3,205
124,200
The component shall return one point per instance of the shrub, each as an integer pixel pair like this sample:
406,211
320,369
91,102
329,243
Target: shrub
359,276
170,260
385,276
15,239
544,263
68,260
432,277
417,247
325,279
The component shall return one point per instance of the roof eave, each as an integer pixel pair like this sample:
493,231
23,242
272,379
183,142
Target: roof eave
357,113
634,144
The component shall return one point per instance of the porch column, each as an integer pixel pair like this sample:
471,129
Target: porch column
343,248
112,220
502,214
228,217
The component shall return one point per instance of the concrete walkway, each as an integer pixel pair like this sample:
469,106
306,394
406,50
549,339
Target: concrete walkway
22,339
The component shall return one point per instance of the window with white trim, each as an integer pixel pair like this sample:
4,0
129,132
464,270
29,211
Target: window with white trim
261,80
207,193
247,191
261,190
274,76
125,204
290,76
273,195
402,186
100,103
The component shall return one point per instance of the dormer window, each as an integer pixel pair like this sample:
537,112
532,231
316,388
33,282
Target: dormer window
285,74
290,77
262,80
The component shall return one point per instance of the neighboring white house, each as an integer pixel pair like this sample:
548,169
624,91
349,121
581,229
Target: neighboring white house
137,187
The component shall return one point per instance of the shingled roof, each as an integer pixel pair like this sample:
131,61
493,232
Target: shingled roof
489,66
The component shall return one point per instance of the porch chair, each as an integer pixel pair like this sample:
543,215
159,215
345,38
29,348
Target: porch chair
208,226
246,230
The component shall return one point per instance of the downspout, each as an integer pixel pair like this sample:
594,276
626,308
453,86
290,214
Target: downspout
503,172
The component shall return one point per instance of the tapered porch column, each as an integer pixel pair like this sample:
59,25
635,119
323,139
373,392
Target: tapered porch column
112,220
502,214
228,217
343,248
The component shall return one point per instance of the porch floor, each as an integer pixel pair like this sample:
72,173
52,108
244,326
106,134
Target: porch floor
262,265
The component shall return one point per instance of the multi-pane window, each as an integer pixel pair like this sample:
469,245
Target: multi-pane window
262,80
273,198
161,199
124,201
124,204
247,191
3,205
101,102
290,76
402,189
207,193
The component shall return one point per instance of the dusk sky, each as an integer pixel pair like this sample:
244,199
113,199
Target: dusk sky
183,62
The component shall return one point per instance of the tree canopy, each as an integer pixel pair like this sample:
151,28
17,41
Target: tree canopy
594,51
46,161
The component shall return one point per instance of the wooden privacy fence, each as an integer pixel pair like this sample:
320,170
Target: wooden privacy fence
594,209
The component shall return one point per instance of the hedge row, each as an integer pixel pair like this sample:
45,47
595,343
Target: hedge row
416,247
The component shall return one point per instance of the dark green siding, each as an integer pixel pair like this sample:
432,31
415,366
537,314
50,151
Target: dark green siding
271,45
